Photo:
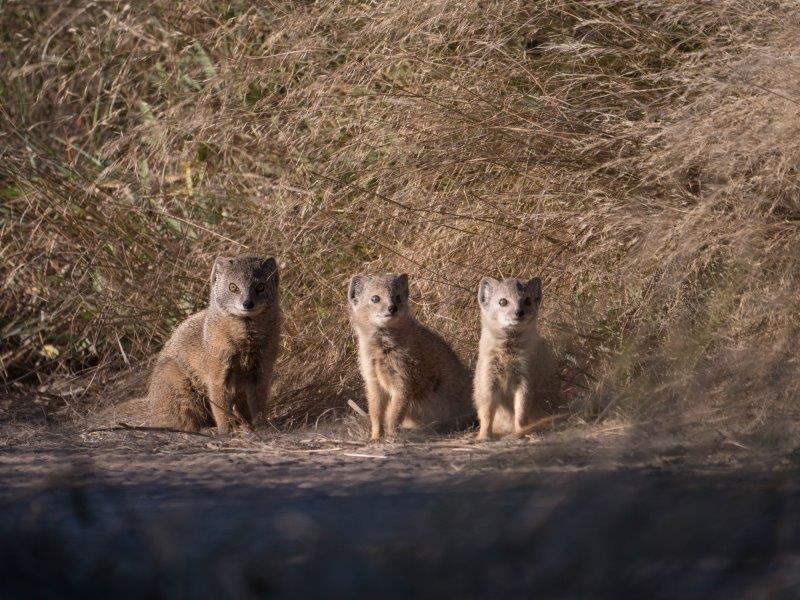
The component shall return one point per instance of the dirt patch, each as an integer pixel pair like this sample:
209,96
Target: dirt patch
567,513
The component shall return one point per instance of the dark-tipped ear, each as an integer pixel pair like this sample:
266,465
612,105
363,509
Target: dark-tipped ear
269,267
269,264
218,262
401,284
355,289
485,290
535,287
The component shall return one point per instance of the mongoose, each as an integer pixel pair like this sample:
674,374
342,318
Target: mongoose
412,377
516,376
218,362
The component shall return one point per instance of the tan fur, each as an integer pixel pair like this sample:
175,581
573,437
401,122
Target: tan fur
217,365
413,378
516,377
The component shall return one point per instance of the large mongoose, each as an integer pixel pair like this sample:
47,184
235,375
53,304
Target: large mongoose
218,362
516,377
413,378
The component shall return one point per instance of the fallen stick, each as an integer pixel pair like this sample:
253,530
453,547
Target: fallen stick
312,451
239,450
349,442
357,455
126,427
541,423
357,408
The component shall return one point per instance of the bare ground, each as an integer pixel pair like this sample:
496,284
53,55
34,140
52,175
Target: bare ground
604,510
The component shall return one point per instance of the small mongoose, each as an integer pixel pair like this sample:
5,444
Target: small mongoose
516,375
218,362
413,378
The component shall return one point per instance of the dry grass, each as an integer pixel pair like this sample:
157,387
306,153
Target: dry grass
640,155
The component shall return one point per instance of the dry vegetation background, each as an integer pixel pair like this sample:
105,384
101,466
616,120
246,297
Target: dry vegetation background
642,156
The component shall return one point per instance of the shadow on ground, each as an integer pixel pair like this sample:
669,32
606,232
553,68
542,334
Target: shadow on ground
134,515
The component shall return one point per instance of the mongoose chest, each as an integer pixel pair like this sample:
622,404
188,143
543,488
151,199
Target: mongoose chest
239,346
390,359
507,363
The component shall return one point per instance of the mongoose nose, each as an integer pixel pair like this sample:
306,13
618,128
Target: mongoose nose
520,314
248,304
392,309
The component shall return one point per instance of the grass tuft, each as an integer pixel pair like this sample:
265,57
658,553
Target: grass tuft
640,155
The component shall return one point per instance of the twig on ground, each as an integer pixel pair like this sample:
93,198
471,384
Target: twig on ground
359,455
542,423
349,442
312,450
357,408
126,427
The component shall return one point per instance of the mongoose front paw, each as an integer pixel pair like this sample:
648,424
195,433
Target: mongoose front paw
376,432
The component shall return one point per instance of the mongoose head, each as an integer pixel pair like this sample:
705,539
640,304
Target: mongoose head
245,286
510,305
379,300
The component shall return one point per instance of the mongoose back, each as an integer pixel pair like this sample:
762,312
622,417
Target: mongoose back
412,377
515,377
218,363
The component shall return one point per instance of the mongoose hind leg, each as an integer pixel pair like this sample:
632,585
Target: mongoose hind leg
174,400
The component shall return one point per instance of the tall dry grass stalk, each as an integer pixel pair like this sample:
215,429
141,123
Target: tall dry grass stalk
641,155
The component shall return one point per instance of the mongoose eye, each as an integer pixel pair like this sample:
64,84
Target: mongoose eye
503,302
376,299
398,299
528,301
260,288
232,287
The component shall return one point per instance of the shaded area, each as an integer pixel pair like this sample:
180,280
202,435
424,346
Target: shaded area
424,522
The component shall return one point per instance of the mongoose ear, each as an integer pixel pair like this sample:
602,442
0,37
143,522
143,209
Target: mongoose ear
269,264
356,289
218,262
486,289
270,268
535,287
401,284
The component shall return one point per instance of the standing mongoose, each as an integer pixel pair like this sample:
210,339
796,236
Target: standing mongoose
218,362
516,375
412,376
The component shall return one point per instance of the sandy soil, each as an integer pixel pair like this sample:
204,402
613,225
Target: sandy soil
607,510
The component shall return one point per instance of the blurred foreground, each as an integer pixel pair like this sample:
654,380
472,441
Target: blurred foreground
138,514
